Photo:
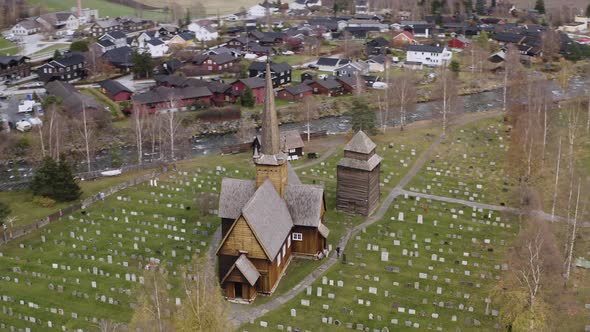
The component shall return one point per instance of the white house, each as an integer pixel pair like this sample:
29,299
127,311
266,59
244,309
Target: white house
304,4
142,39
156,47
259,10
60,20
428,55
25,28
203,33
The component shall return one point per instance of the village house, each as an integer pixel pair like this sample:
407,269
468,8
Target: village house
118,38
216,62
182,40
134,23
141,40
115,90
327,86
352,68
350,83
377,63
70,67
404,38
72,100
361,6
203,32
330,64
260,10
166,99
168,30
281,72
26,27
236,53
100,27
377,45
59,21
292,144
295,92
267,220
256,85
238,42
459,42
428,55
156,47
14,66
121,58
102,46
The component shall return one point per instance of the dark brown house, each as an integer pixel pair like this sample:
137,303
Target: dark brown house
14,66
295,92
266,220
328,86
358,189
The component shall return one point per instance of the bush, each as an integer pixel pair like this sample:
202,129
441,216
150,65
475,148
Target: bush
55,180
4,211
42,201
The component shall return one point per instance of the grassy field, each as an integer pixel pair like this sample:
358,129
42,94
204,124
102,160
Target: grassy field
7,47
51,49
105,8
212,7
437,273
469,164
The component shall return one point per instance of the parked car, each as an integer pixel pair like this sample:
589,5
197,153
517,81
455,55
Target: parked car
288,52
23,126
312,66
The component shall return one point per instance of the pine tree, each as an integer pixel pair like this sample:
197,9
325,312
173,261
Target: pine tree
187,18
362,117
57,55
540,6
247,98
56,181
4,211
480,7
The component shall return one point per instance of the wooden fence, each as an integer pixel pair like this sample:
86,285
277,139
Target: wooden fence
245,147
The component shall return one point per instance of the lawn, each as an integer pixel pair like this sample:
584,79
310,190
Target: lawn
437,273
105,8
296,59
51,49
115,108
28,212
470,164
51,273
7,47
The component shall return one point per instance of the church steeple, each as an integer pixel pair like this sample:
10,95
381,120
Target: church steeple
270,125
271,162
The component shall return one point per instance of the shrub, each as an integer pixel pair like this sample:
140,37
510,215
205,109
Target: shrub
43,201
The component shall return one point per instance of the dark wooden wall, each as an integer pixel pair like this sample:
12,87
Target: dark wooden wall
357,190
312,243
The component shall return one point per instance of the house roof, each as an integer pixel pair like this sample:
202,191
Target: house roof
9,59
269,218
234,195
425,48
360,143
105,43
115,34
244,265
406,34
254,82
305,204
107,23
297,89
222,58
70,60
29,24
121,56
348,80
113,87
365,165
328,83
155,42
332,62
72,99
162,94
274,67
186,35
291,139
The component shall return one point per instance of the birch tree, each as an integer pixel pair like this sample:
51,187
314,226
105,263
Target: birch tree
155,309
172,121
311,112
511,68
555,187
403,90
572,238
86,133
138,119
446,92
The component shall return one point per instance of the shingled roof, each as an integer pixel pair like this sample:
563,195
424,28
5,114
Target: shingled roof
234,195
269,218
360,143
305,204
365,165
246,267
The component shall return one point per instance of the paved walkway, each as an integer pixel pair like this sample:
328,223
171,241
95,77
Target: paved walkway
241,314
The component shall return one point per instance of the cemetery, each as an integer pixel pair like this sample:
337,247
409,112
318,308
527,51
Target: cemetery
470,164
418,268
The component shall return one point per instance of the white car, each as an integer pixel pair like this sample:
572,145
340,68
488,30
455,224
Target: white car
380,85
23,126
287,52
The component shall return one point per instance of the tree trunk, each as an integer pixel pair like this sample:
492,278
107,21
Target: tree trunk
556,181
573,236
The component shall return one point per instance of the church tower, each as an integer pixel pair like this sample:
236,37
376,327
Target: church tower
271,161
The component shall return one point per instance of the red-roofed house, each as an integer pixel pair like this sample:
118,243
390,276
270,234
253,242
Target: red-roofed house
256,84
459,42
404,38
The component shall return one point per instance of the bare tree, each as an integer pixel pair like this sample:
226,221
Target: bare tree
138,122
86,133
403,90
530,274
172,121
572,238
555,188
311,112
155,309
511,69
446,91
107,326
246,131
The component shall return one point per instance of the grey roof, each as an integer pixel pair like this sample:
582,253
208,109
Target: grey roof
292,177
291,139
305,204
360,143
253,82
107,23
155,42
105,43
248,269
115,34
327,61
234,195
269,218
425,48
113,87
72,99
12,59
297,89
365,165
328,83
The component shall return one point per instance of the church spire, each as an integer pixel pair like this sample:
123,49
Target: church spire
270,125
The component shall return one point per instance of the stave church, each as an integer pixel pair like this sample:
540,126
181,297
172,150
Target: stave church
268,220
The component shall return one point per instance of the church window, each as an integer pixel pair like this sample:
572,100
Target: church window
297,237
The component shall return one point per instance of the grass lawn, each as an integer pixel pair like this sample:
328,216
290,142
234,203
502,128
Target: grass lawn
444,260
470,164
7,47
105,101
52,270
51,49
105,8
28,212
296,59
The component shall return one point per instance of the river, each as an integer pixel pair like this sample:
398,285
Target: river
212,144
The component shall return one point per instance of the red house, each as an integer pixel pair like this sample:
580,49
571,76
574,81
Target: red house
115,90
164,99
459,42
295,92
256,84
404,38
328,86
215,62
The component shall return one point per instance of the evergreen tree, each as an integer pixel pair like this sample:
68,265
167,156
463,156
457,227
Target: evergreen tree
455,66
480,7
493,5
247,99
57,55
79,46
143,66
187,17
540,6
362,117
56,181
